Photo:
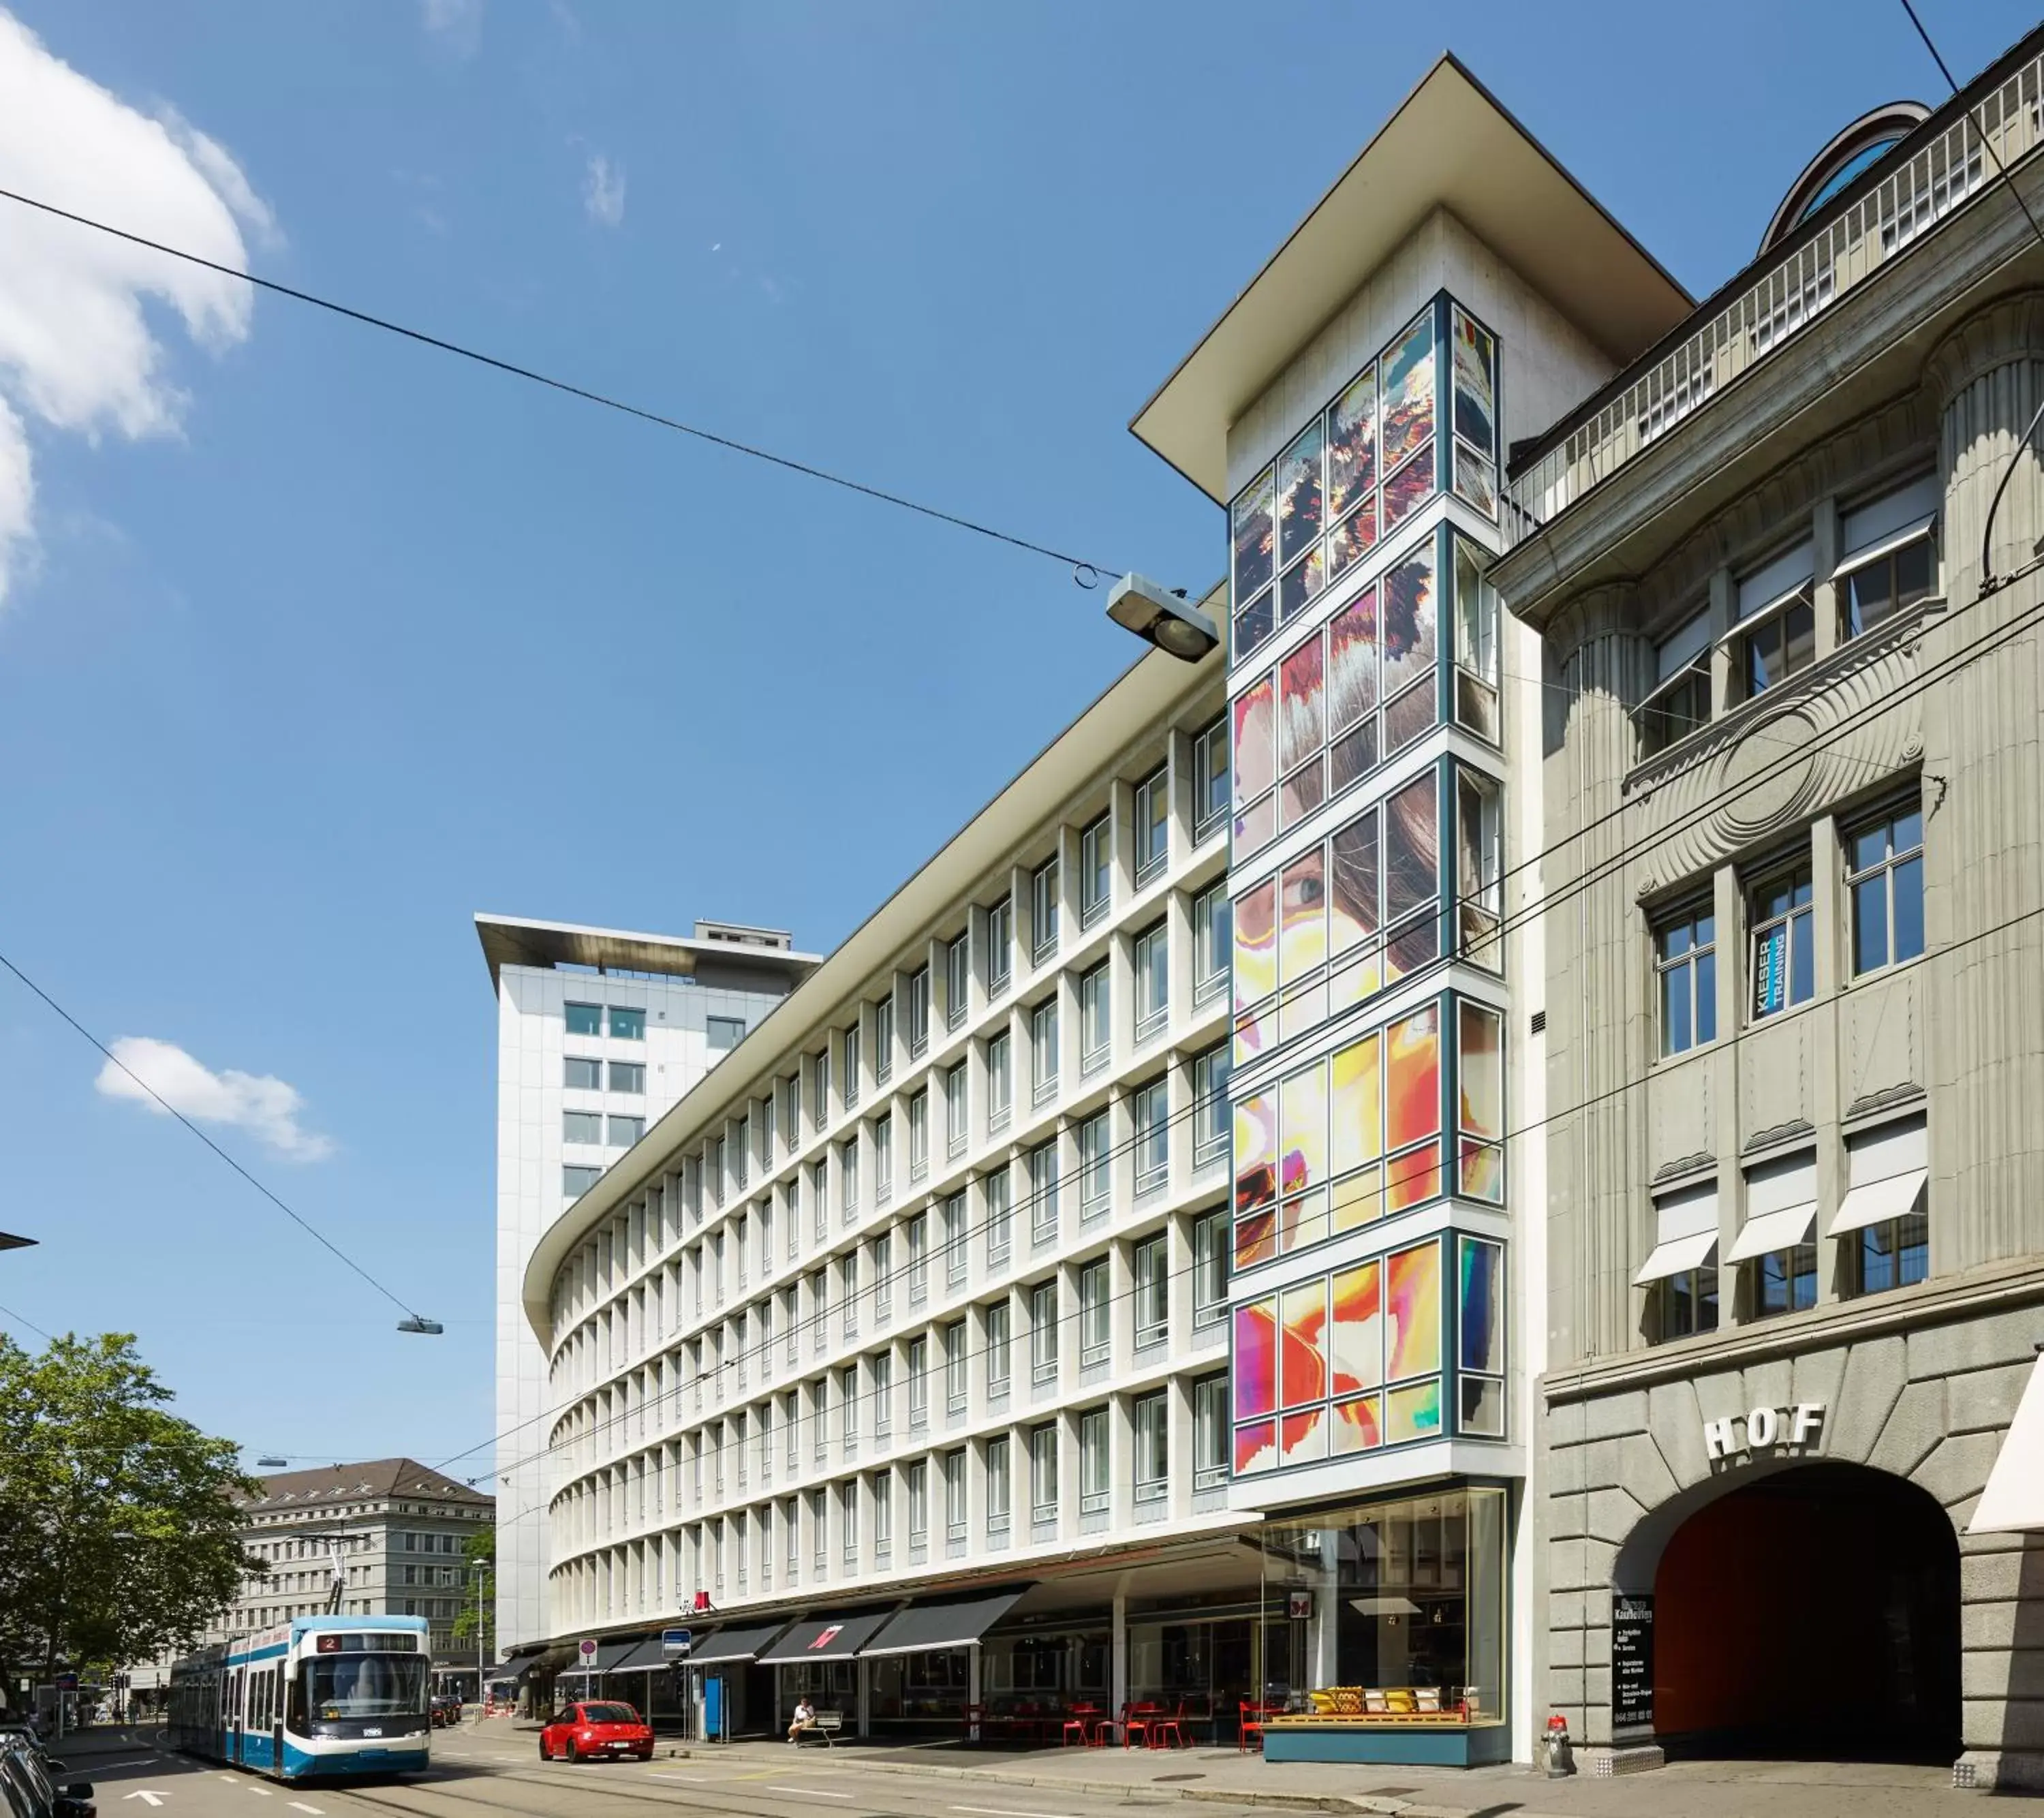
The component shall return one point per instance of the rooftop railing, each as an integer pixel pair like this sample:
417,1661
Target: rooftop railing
1956,165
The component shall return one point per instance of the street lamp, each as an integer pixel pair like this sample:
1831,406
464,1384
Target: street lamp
271,1463
414,1322
1161,616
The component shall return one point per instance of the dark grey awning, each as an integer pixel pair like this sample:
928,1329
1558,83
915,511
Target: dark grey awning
646,1652
743,1641
826,1638
943,1622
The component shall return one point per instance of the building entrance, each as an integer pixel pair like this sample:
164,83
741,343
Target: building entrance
1813,1612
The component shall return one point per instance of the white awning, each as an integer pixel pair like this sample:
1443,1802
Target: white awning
1685,1232
1893,517
2013,1502
1780,1206
1680,648
1773,1231
1774,583
1889,1166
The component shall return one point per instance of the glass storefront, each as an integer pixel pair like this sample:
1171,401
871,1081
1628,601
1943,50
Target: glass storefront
924,1691
1388,1609
1203,1667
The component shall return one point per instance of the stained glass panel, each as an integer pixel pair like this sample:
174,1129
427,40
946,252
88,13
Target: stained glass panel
1475,399
1358,1425
1352,443
1408,489
1352,885
1304,1436
1299,584
1254,624
1413,1053
1255,1447
1482,1175
1302,727
1255,944
1413,1412
1481,1295
1476,480
1356,1199
1410,613
1355,1122
1352,663
1255,826
1408,392
1299,519
1411,848
1303,1361
1255,1152
1355,1351
1303,1220
1412,1179
1482,1071
1304,897
1254,1373
1353,537
1411,1310
1255,734
1253,525
1302,1124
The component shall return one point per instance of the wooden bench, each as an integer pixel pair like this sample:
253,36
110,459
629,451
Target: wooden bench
824,1724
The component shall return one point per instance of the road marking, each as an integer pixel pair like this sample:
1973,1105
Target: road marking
313,1809
155,1798
692,1779
810,1791
263,1791
1008,1812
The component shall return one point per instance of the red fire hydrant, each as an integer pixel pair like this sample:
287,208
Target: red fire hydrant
1560,1758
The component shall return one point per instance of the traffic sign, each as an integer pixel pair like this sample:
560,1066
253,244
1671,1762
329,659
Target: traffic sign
586,1648
676,1641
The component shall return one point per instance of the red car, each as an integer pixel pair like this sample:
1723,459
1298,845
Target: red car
589,1732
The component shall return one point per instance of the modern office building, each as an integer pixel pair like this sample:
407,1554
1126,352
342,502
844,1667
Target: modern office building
598,1032
1455,291
1786,564
900,1341
387,1538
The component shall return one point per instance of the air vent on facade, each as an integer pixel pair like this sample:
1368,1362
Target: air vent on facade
1539,1022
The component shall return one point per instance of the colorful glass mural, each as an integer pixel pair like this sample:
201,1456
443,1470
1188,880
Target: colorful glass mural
1412,1311
1302,1360
1254,1367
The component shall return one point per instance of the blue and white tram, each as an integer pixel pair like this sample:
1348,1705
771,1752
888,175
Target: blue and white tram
319,1697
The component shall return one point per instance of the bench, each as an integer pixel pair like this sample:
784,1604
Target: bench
824,1724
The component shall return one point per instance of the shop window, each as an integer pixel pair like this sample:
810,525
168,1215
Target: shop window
1686,966
1404,1608
1884,876
1784,946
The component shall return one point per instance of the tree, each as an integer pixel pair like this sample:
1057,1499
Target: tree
119,1522
480,1552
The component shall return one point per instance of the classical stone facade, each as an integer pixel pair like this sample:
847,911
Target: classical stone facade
1738,1373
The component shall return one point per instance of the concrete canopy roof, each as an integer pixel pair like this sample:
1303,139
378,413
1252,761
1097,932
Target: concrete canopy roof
514,940
1449,145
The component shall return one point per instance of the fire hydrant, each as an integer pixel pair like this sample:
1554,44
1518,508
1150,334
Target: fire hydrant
1560,1758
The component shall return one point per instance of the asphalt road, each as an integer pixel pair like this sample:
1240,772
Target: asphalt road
497,1773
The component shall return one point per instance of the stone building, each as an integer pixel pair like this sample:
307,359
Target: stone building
1793,901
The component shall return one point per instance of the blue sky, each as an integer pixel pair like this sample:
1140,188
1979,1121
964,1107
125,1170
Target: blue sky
312,643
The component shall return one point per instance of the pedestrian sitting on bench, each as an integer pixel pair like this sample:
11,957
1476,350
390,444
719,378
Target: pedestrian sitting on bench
805,1714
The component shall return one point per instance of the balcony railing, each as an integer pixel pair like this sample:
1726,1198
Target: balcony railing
1950,170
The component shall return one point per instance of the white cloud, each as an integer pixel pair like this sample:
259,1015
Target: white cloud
457,23
603,191
77,351
266,1107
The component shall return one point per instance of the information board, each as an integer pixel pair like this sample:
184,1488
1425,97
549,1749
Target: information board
1631,1664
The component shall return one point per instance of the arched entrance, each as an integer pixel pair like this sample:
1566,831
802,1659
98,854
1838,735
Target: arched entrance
1812,1612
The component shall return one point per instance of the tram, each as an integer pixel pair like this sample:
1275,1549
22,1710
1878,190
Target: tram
320,1697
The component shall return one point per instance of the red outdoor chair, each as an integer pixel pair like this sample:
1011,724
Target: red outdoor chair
1135,1721
1169,1732
1076,1722
1250,1717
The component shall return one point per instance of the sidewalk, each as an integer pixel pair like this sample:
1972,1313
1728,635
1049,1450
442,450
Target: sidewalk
1696,1789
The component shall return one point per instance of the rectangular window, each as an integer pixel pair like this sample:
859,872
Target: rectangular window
1210,1432
1152,1108
1210,780
1890,558
847,1176
1043,1193
1153,981
627,1025
1093,1492
958,1130
626,1131
790,1318
1686,966
1000,1220
919,1257
583,1019
919,1135
819,1200
955,1367
1095,1167
1153,1297
1095,1025
1881,1219
848,1503
819,1310
1043,1472
1680,701
1000,1082
628,1076
1777,621
1210,1105
918,1012
883,1041
850,1086
883,1158
847,1402
723,1033
576,1181
1153,825
848,1269
1210,944
1043,1052
581,1075
582,1126
1000,946
1096,871
1210,1238
819,1079
958,981
1095,1314
1043,1332
998,1348
1884,878
954,1494
1153,1448
919,1503
919,1382
1475,636
999,1490
1044,910
883,1513
1479,867
1783,943
953,1212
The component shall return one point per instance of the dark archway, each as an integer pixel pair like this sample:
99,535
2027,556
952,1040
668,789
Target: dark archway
1812,1613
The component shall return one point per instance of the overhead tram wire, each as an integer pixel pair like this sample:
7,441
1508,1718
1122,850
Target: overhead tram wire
1990,582
1081,569
8,1312
417,1321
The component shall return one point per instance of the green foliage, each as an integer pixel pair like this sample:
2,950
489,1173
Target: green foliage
480,1552
118,1521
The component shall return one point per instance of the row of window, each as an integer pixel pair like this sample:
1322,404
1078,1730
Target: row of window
1882,868
625,1023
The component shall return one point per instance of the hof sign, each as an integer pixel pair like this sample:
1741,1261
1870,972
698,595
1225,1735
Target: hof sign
1765,1429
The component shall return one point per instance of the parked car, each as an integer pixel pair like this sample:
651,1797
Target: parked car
591,1732
28,1790
446,1709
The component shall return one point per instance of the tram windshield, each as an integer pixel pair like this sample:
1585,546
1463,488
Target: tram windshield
367,1685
